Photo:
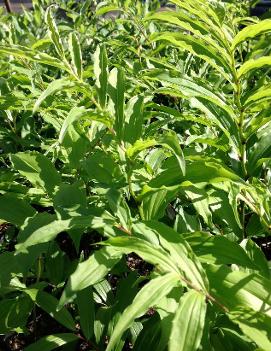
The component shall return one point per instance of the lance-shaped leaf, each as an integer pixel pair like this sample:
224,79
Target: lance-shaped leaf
134,119
55,226
192,26
198,48
32,55
38,169
76,55
189,88
253,64
256,325
77,113
211,249
54,87
148,251
85,303
147,297
251,32
202,12
53,32
89,272
258,96
188,323
237,288
116,91
49,304
168,140
182,256
155,201
52,342
101,73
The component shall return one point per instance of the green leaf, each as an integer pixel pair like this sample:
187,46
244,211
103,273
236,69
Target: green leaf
256,325
14,210
253,64
134,119
89,272
101,73
52,342
147,297
211,249
119,207
155,201
76,55
188,323
198,171
257,257
53,32
38,169
102,10
197,89
237,288
70,200
148,251
85,303
77,113
251,31
54,87
50,230
192,25
198,48
32,55
168,140
257,97
171,142
49,304
202,12
14,313
182,256
116,91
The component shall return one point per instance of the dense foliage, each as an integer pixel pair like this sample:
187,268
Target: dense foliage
135,177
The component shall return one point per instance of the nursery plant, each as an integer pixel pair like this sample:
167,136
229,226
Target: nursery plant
135,177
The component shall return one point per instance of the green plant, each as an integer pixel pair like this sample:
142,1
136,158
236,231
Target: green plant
135,176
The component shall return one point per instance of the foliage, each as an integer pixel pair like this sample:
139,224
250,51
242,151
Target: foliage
135,175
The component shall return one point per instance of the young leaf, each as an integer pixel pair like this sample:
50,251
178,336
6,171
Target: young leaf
188,323
182,256
148,251
171,142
